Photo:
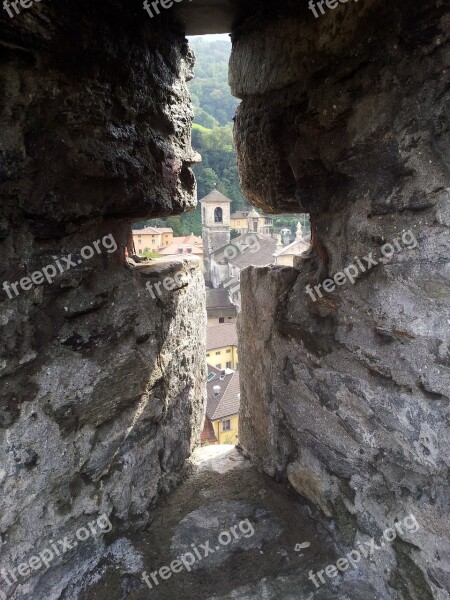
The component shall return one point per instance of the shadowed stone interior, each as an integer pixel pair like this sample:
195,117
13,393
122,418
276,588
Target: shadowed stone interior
344,400
102,386
347,118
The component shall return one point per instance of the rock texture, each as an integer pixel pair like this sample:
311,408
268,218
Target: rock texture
260,562
347,117
102,385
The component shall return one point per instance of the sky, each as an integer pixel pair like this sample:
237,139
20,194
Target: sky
213,37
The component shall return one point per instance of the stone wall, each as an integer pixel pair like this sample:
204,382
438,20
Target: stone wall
101,385
346,117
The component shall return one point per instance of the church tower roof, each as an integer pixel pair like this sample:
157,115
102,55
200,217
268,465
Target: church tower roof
215,196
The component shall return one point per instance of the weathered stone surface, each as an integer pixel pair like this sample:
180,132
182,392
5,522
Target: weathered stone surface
101,385
222,491
347,117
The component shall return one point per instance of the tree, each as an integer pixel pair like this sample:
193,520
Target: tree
150,254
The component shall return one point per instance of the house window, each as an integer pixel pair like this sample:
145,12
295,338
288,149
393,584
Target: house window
228,365
219,366
218,353
221,320
218,215
226,425
153,242
229,351
208,355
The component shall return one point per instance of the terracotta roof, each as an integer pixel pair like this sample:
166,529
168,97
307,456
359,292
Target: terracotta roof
208,436
215,196
188,239
152,230
226,402
220,336
189,244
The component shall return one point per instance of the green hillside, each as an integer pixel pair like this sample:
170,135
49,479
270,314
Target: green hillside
214,104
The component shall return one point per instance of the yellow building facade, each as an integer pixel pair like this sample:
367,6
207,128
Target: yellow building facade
227,429
223,386
239,222
223,358
222,408
152,238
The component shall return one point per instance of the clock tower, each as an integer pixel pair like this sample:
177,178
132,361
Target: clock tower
216,210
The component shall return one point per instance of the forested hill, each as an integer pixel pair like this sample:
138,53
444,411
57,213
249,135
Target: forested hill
214,104
212,133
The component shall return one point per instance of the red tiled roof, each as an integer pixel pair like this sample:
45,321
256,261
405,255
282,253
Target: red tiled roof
208,436
226,402
189,244
188,239
173,249
220,336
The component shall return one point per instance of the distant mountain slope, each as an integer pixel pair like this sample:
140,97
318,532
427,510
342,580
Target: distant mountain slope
210,92
215,107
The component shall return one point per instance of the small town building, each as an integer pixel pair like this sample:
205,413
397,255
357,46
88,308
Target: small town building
219,307
222,409
286,255
244,220
189,244
216,229
152,238
226,263
222,346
